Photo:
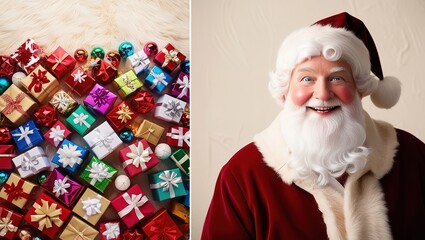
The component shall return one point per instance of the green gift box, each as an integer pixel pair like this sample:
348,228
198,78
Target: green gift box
80,120
98,173
167,184
182,160
127,84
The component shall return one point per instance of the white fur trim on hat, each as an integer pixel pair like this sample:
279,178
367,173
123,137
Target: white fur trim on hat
387,93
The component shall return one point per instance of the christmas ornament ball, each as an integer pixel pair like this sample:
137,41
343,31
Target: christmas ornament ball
126,49
163,151
151,49
18,77
97,52
4,175
122,182
4,84
80,55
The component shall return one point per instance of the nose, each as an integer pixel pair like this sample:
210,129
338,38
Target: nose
322,90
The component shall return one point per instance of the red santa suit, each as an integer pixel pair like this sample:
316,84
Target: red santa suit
257,196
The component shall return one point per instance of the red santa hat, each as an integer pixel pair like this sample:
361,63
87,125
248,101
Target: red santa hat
388,91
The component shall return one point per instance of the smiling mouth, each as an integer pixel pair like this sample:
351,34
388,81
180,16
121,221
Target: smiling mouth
323,109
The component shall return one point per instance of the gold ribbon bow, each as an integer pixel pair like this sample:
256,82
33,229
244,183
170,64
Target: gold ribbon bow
171,55
6,224
46,215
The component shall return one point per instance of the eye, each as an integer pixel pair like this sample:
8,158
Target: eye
306,79
337,78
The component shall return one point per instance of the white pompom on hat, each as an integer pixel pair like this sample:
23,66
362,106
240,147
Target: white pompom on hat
388,91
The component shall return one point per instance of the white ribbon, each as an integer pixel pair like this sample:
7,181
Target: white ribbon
140,60
171,180
177,133
29,162
112,231
98,172
79,76
134,202
57,134
100,139
80,119
128,82
61,100
60,186
69,155
33,59
173,109
158,78
6,224
92,206
139,156
184,84
24,134
180,162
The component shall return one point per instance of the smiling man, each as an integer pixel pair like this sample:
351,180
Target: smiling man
324,169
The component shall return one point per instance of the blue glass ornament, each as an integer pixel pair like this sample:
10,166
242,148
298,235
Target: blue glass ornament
4,84
126,49
4,175
97,52
126,135
185,66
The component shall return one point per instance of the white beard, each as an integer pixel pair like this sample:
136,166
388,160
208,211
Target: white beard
325,146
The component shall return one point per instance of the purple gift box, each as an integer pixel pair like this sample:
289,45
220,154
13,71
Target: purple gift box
181,87
63,187
100,100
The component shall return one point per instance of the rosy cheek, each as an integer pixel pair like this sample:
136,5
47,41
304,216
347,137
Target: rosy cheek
346,94
301,96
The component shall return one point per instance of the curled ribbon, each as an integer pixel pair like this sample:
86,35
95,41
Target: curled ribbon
60,186
134,202
171,180
80,119
177,133
69,155
124,113
30,162
24,134
61,100
112,231
184,85
13,104
92,206
98,172
171,55
139,156
15,192
6,224
100,96
37,80
158,78
46,215
173,109
128,83
79,76
57,134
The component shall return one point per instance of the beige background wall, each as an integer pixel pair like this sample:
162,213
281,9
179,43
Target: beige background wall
234,45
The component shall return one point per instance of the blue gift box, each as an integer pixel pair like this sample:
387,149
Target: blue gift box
157,80
186,198
70,156
27,136
167,184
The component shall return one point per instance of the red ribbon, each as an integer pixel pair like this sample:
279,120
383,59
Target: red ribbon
60,59
12,105
162,231
38,80
24,55
15,191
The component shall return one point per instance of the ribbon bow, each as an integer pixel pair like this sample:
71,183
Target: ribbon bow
12,105
124,113
101,139
6,224
134,202
15,192
80,119
177,133
139,156
184,85
46,215
29,162
79,76
57,134
37,80
171,55
158,78
24,134
112,231
140,60
162,231
171,180
98,172
25,53
60,186
173,109
69,155
128,82
61,100
100,96
59,60
92,206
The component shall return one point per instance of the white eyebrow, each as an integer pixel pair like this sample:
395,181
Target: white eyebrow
338,69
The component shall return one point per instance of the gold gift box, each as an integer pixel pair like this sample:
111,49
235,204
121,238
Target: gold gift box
63,102
150,131
78,209
77,230
46,88
180,211
27,188
24,105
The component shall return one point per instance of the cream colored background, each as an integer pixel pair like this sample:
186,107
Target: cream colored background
234,45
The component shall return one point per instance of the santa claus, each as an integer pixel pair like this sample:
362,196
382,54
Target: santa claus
324,169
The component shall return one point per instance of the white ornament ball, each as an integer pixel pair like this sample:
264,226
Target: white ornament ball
163,151
17,78
122,182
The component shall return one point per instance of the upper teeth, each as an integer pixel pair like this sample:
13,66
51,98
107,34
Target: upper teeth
323,108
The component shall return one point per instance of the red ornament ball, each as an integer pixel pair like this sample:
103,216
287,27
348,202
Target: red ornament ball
151,49
81,55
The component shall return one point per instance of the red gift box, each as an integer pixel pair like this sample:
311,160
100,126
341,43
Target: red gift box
143,102
169,58
132,234
120,116
132,206
103,72
7,66
110,231
60,63
56,134
178,137
79,81
28,55
47,215
137,158
9,223
7,152
162,227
